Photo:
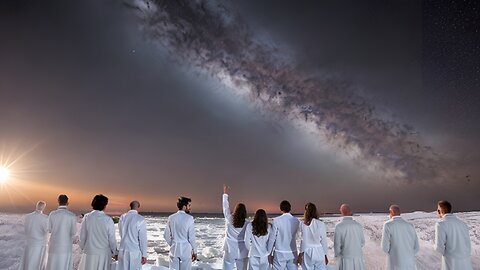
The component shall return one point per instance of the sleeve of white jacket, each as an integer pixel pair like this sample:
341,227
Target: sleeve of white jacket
362,236
45,226
440,239
271,238
385,239
73,228
167,233
324,238
83,234
226,208
248,236
302,241
142,235
111,236
191,236
337,243
416,246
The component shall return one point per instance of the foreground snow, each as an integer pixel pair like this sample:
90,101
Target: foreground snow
12,241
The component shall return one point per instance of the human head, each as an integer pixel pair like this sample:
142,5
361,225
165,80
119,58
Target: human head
345,210
260,223
134,205
394,210
99,202
40,205
285,206
443,207
62,199
239,215
310,213
184,203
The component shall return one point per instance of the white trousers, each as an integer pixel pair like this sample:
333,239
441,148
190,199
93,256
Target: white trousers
129,260
229,264
285,264
177,263
33,258
258,263
95,262
57,261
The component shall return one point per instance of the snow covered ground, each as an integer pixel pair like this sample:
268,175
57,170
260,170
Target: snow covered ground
210,233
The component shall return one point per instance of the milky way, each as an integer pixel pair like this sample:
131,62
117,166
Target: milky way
211,37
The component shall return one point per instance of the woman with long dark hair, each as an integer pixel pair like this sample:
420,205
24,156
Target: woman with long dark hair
313,247
259,241
235,251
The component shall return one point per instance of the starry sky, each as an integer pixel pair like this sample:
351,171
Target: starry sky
367,103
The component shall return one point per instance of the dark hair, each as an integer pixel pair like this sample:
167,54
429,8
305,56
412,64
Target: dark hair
445,206
183,201
134,205
239,215
285,206
260,223
62,199
99,202
310,213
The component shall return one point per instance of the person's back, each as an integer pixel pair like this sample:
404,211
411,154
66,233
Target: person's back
348,241
96,235
400,242
286,228
258,245
36,231
133,244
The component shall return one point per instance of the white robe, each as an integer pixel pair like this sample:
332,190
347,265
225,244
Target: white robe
259,248
452,240
180,236
348,243
234,246
400,242
133,244
313,245
285,229
36,230
62,225
97,241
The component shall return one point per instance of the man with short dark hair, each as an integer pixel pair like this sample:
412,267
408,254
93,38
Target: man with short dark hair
62,225
348,241
399,241
284,248
36,230
452,239
133,244
180,236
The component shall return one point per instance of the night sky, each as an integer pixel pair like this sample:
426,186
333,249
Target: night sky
368,103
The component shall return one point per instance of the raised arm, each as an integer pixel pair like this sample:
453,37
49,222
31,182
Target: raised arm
226,205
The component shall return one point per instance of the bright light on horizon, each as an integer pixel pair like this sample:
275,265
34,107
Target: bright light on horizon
4,174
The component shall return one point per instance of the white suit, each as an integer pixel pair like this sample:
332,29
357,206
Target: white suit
236,253
285,229
400,242
452,240
180,236
259,248
97,241
62,224
133,244
313,245
348,243
36,230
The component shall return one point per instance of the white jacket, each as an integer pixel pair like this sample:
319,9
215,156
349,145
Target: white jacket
452,240
97,235
314,238
133,232
62,226
258,246
36,228
400,242
285,229
348,242
234,245
180,235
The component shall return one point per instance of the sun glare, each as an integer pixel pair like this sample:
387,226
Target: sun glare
4,174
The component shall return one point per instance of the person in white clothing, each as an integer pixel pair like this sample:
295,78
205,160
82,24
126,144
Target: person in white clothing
180,236
399,241
285,229
259,241
348,242
313,246
452,239
133,245
62,225
235,251
97,237
36,231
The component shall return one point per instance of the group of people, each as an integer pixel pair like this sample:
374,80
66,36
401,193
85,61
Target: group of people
97,238
255,245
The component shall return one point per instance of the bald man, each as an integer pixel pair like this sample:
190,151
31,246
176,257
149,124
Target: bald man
348,242
133,245
399,241
36,231
452,239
